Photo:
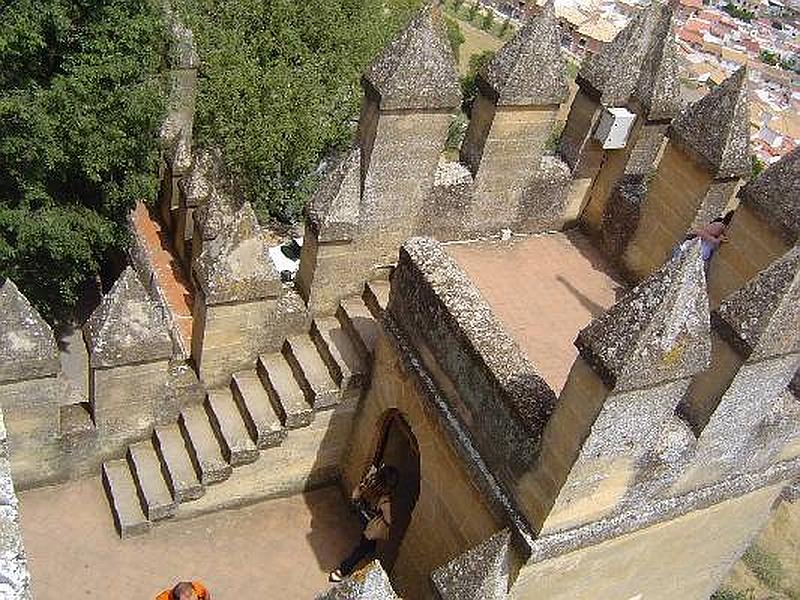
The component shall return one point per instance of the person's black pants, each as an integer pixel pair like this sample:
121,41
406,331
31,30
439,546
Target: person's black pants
365,548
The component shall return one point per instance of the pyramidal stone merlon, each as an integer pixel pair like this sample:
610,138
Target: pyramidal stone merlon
235,266
27,347
207,188
775,194
715,129
334,207
417,69
762,319
127,327
480,573
640,64
658,332
530,69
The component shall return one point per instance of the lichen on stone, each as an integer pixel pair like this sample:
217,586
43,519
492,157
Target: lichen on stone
235,265
762,319
480,573
715,130
658,332
128,327
369,583
775,194
529,70
417,69
639,64
333,210
27,347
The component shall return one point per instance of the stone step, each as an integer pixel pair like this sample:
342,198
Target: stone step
123,496
262,421
311,372
177,463
376,297
284,392
204,448
337,350
153,491
237,447
358,322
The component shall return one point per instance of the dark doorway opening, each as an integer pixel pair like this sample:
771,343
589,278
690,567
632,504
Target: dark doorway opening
398,448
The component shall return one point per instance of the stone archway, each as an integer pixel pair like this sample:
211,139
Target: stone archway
398,447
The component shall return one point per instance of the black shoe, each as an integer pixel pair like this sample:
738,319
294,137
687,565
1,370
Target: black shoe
335,576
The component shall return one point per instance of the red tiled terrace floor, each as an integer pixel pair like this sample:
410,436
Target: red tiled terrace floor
544,288
168,270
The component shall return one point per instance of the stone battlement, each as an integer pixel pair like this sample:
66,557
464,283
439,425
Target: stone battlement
642,426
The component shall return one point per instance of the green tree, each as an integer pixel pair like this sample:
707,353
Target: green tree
454,36
488,21
81,97
279,87
769,57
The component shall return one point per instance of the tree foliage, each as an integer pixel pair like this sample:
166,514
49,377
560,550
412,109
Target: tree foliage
454,36
279,86
80,102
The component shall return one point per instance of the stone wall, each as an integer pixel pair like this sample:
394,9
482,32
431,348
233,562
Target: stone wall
14,576
684,557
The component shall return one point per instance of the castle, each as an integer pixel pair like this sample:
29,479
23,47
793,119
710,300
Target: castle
619,430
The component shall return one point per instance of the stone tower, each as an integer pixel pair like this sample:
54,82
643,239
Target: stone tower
638,71
696,179
519,93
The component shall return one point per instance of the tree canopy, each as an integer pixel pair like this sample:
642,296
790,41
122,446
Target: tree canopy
80,103
279,86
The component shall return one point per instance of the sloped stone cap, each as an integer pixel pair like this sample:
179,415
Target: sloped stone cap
417,69
207,188
370,583
27,347
334,207
235,266
480,573
128,327
762,319
775,194
639,63
658,332
715,129
530,69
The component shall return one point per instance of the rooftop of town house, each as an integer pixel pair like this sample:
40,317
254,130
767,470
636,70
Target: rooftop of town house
544,288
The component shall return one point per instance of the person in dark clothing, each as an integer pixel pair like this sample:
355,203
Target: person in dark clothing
372,499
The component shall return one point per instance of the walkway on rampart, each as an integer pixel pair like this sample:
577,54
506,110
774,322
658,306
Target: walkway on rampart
544,288
276,549
167,268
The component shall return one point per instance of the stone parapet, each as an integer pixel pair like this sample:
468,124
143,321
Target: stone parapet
14,576
494,384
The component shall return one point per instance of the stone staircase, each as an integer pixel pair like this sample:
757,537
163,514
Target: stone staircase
235,425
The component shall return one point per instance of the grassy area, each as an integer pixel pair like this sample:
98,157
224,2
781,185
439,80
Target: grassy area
476,16
770,569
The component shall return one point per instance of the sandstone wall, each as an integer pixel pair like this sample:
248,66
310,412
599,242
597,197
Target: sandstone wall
450,514
686,557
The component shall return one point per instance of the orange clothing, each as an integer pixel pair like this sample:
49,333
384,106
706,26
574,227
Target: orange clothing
199,589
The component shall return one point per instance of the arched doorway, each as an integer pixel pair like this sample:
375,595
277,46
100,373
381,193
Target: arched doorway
398,447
